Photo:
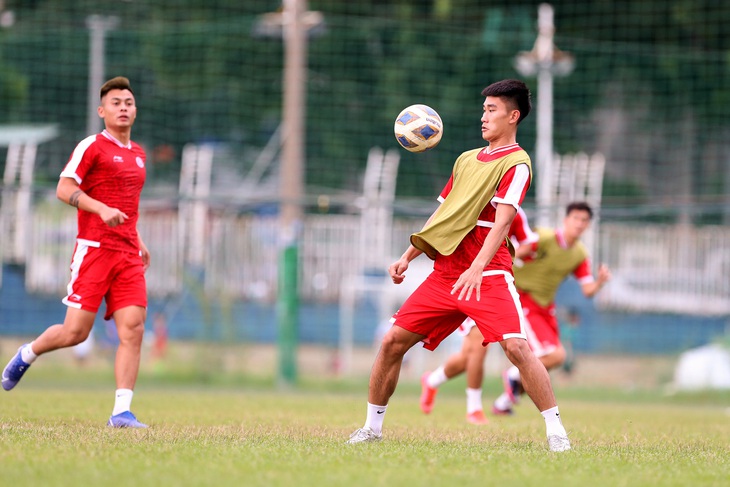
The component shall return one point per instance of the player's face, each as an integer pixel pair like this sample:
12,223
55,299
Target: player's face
575,223
118,109
498,120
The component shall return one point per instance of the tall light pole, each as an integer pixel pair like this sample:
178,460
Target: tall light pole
291,186
545,61
295,24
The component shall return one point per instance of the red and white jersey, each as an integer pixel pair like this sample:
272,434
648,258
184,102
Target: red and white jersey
113,173
511,190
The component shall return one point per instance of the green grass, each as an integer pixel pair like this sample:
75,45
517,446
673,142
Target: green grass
239,431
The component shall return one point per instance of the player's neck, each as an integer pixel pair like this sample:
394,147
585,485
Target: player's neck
569,240
122,136
501,142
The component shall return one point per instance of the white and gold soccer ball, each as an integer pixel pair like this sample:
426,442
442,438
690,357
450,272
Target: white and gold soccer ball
418,128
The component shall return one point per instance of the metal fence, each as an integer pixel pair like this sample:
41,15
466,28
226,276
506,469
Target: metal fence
667,268
656,268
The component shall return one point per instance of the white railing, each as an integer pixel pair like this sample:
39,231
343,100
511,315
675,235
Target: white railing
663,268
656,268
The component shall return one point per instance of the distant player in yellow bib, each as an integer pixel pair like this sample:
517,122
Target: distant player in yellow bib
544,260
546,264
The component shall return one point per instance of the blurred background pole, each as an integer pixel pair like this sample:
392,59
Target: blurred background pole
544,61
544,114
292,186
98,25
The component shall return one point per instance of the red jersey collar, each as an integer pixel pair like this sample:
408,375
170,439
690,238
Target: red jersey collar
115,140
486,156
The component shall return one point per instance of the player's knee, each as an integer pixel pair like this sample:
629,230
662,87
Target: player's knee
394,345
131,332
74,336
516,350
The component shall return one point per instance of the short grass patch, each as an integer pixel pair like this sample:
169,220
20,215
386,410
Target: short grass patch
254,434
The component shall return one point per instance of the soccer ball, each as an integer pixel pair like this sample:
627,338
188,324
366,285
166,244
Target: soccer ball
418,128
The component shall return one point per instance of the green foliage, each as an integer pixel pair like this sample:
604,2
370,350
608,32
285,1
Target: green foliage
203,73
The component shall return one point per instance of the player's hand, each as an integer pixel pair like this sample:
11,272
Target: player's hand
604,273
470,280
397,270
145,254
113,216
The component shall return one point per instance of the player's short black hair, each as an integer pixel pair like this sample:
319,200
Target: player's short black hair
579,206
118,83
512,91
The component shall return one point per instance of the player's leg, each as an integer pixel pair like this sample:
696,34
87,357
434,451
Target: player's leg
89,283
476,353
428,316
455,364
74,330
536,381
500,318
386,368
554,359
541,328
126,302
383,381
535,378
130,330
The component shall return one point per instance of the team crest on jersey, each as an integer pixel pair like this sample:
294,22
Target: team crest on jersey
118,159
140,162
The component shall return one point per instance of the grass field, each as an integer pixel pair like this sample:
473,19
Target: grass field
244,431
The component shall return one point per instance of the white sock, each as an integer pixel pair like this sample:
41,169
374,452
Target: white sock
374,419
122,401
553,425
513,373
503,402
27,355
473,400
436,378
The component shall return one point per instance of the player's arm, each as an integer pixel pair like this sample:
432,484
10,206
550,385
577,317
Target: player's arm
526,251
590,289
398,268
471,279
69,192
523,237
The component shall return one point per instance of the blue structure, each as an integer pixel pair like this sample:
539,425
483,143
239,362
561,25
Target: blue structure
189,318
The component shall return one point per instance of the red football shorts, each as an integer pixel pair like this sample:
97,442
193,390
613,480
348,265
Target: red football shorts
97,273
432,311
543,333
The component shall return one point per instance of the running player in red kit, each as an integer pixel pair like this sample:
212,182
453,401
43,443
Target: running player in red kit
103,179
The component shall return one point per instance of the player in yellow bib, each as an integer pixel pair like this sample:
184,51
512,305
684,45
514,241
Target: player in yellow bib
472,274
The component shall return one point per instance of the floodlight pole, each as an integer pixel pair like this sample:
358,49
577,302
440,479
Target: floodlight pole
291,186
98,26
